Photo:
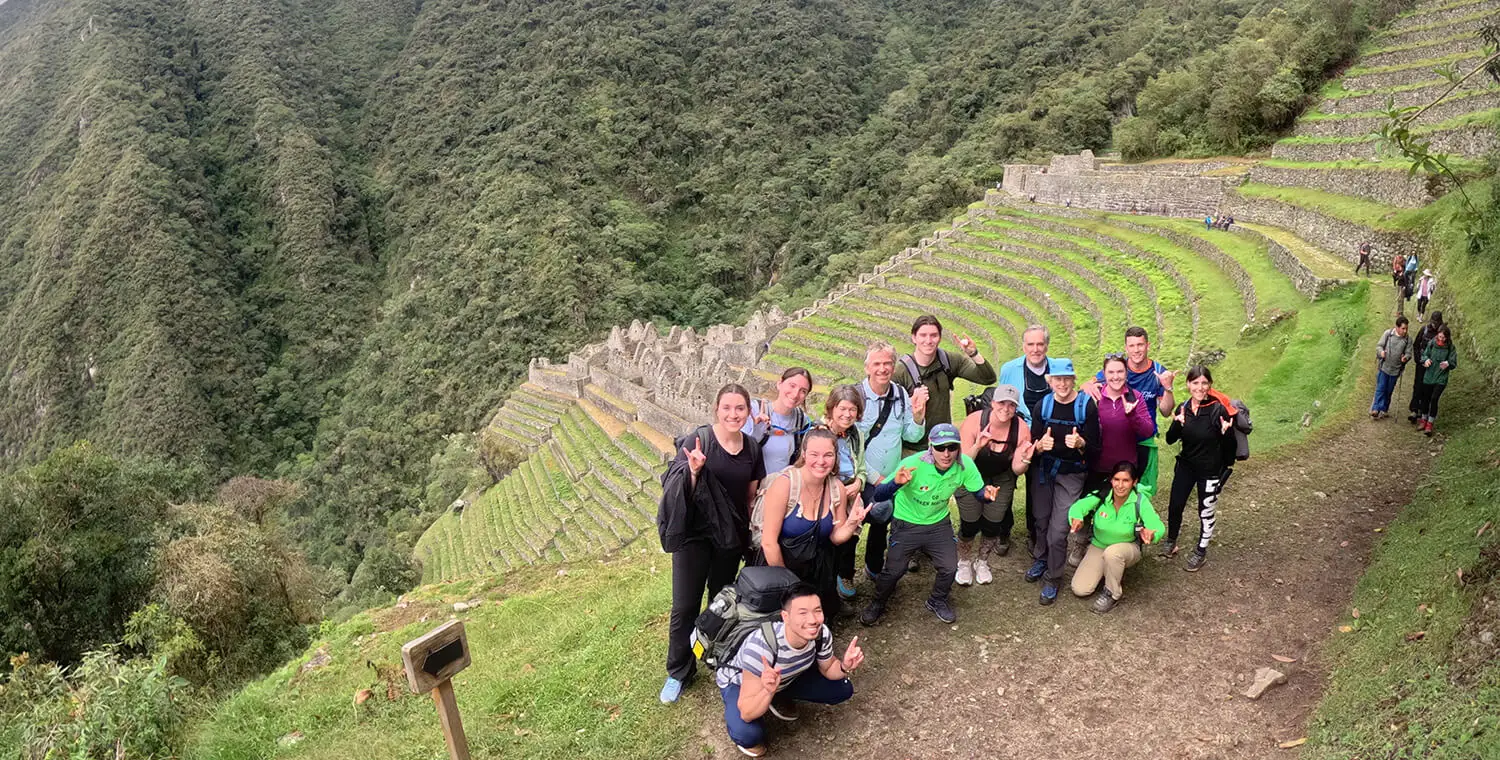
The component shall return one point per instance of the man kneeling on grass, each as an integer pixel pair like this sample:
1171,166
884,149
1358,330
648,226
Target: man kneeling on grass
769,677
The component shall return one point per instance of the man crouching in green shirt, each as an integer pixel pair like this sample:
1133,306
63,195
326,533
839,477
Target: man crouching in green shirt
1123,521
921,488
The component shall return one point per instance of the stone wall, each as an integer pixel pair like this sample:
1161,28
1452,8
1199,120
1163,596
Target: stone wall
1421,96
1393,187
1460,25
1437,48
1471,142
1207,250
1186,168
1128,192
1447,15
1358,80
1287,263
1336,236
1359,126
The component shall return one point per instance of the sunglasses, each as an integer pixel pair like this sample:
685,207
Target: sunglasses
1116,355
947,447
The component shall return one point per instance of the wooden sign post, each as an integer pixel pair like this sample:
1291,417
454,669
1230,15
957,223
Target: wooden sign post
431,662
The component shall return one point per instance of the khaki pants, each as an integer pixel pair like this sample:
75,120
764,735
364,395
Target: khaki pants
1108,564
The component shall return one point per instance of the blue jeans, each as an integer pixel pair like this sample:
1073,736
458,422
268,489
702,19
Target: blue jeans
1385,385
811,686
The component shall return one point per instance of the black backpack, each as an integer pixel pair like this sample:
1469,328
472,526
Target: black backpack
752,601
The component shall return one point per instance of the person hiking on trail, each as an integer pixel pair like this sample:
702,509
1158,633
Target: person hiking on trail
921,488
1125,419
771,677
779,424
1425,288
1203,425
1123,521
1438,359
1364,259
889,419
1419,344
1153,381
928,371
1065,427
1392,353
841,413
1000,444
1398,270
704,521
1208,222
801,534
1409,277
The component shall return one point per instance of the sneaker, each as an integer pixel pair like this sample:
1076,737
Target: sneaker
785,709
871,613
1374,415
1384,414
1196,562
871,576
912,566
1427,428
1037,569
942,609
846,589
982,574
1002,548
1049,593
758,750
1104,602
965,574
1168,549
671,690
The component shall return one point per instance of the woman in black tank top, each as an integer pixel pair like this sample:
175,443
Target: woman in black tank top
999,445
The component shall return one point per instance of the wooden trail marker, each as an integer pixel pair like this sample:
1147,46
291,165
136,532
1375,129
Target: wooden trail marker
431,662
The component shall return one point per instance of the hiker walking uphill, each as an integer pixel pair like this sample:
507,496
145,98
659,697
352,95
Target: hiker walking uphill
1438,359
1000,445
800,519
1123,520
1203,424
889,420
1419,343
779,424
704,520
1153,381
929,370
921,488
1364,259
781,663
1065,427
1426,287
1392,353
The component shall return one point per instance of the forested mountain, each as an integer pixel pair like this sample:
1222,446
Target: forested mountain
308,238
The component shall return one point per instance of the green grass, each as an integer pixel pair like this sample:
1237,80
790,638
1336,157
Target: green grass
1273,290
1350,209
988,332
1138,296
1318,115
1108,308
1480,16
1111,308
1415,45
1489,117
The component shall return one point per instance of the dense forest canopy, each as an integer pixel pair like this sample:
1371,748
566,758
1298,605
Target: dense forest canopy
309,238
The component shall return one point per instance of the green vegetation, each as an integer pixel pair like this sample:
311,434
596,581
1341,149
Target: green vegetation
1357,210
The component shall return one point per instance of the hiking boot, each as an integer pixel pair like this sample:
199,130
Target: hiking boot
758,750
1049,593
942,609
1037,569
982,574
1168,549
784,708
1196,562
912,566
671,690
1374,415
1002,548
1427,428
870,615
1075,556
846,589
871,575
965,574
1104,602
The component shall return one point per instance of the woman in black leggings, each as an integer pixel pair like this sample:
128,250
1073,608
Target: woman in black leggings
1203,425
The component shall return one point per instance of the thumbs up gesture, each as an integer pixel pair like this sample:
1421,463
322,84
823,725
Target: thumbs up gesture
903,475
1074,440
696,457
1046,443
1075,525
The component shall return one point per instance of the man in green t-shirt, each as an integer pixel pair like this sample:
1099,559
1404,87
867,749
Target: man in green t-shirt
921,488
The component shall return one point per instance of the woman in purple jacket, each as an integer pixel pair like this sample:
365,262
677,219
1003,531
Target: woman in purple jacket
1124,421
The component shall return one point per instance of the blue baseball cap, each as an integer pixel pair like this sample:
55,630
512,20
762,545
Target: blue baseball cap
1061,368
943,434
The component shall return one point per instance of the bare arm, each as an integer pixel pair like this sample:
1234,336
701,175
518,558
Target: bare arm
774,512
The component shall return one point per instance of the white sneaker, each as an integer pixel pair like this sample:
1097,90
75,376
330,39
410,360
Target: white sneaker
965,574
982,574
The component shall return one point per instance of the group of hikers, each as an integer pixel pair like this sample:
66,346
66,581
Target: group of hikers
1404,276
1220,222
774,486
1434,354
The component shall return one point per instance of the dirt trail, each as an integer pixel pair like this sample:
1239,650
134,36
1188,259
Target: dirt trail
1160,676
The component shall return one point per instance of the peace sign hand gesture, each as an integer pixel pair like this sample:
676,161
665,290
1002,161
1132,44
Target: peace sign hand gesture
770,678
853,656
903,475
857,512
696,457
1181,415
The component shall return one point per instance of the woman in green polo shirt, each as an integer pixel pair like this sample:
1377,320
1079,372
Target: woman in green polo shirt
1123,522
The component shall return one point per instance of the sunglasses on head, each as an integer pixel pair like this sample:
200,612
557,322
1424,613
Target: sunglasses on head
946,447
1116,355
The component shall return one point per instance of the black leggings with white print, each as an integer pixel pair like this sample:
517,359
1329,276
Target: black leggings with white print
1184,480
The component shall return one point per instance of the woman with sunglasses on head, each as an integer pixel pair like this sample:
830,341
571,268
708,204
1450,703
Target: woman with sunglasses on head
1203,425
704,520
842,412
779,424
804,520
999,442
1123,521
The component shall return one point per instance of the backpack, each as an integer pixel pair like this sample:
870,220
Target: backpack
1080,412
1242,428
800,421
752,602
793,500
885,411
910,362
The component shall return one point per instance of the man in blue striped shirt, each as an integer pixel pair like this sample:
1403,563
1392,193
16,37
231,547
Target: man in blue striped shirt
768,676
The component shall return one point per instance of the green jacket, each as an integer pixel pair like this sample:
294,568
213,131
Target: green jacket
1117,527
1436,375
